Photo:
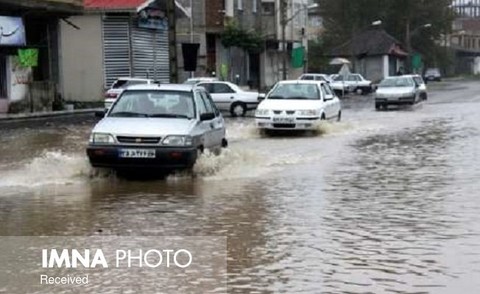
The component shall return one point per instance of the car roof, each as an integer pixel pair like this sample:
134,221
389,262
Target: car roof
164,87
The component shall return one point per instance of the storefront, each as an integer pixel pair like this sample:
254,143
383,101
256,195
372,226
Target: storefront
29,57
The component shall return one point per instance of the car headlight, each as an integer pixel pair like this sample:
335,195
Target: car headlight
262,112
101,138
178,141
308,112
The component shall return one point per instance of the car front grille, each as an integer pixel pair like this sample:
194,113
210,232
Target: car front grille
138,140
289,112
284,126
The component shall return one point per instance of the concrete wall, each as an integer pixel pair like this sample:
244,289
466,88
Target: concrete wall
81,60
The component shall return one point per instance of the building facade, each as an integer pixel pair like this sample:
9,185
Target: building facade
31,27
296,30
115,42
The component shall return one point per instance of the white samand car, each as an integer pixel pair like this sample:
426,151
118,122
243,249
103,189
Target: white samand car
119,85
298,105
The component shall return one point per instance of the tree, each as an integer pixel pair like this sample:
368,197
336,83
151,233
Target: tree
400,18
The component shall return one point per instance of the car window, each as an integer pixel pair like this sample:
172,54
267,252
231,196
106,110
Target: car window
306,91
154,103
199,101
396,82
307,78
210,105
219,88
122,84
206,86
327,90
418,80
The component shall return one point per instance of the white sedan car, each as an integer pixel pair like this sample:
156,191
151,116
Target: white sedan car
230,97
298,105
119,85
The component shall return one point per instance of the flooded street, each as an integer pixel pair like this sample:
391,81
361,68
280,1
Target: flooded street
383,202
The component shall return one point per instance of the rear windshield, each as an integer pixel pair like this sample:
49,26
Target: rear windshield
122,84
175,104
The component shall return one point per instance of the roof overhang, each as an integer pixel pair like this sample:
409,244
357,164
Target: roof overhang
48,6
162,5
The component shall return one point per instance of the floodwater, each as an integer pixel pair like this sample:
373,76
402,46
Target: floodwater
383,202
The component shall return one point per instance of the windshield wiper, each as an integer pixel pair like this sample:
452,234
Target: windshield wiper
127,114
276,97
300,98
169,115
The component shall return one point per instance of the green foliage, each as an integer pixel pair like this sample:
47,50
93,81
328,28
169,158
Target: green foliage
344,18
234,36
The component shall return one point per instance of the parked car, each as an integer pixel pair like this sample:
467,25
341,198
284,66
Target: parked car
352,83
157,126
298,105
230,97
119,85
315,77
400,90
433,74
193,81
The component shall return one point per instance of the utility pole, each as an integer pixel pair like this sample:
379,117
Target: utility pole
172,41
283,24
408,41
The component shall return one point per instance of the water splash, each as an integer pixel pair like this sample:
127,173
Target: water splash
52,167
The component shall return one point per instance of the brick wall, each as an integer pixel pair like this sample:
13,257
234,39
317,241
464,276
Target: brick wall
213,14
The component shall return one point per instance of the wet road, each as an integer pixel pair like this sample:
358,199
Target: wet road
383,202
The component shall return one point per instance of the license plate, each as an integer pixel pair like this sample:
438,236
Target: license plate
285,120
137,153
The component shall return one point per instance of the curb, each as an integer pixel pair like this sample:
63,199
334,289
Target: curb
40,115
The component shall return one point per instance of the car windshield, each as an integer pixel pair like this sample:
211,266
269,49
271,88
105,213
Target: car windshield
396,82
295,91
142,103
340,78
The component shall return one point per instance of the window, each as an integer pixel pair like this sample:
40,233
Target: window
240,4
254,6
307,77
268,8
202,108
219,88
327,90
209,104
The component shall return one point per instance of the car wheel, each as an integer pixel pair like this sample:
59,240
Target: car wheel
359,91
424,97
238,109
339,116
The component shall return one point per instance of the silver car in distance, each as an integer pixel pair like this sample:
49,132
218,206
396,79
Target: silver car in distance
157,126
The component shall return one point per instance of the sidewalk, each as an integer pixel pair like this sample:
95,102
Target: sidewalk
50,114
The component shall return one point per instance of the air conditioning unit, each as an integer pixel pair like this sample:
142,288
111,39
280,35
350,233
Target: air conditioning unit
229,8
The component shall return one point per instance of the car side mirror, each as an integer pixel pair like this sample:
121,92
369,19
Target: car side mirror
261,97
329,97
100,113
207,116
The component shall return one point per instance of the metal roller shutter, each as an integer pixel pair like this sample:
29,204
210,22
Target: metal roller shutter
116,47
150,51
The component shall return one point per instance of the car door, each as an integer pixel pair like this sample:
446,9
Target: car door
203,128
330,100
217,125
223,95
